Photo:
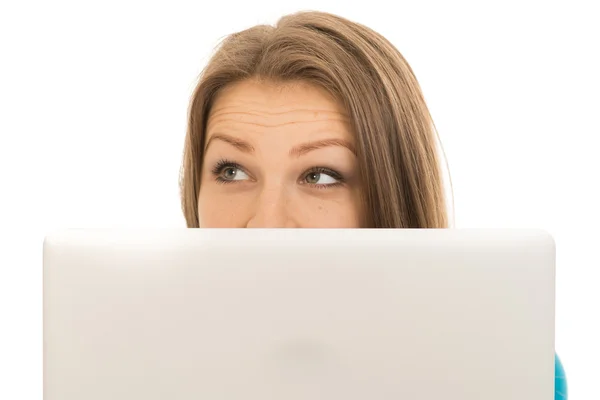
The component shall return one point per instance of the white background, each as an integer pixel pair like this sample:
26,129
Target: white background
93,102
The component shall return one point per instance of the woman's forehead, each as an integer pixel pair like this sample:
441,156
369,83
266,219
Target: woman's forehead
276,98
261,108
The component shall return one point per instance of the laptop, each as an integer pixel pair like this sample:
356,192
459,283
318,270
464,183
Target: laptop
299,314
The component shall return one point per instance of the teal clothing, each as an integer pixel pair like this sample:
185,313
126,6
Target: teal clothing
560,380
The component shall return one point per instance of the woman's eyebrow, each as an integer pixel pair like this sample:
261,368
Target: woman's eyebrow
240,144
297,151
304,148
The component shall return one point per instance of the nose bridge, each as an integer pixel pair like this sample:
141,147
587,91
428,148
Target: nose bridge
271,207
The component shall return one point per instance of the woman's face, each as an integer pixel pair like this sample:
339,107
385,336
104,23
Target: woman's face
278,157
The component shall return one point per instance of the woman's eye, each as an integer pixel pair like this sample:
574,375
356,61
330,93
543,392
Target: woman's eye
232,174
320,178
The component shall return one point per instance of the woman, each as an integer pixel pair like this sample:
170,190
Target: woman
317,122
320,81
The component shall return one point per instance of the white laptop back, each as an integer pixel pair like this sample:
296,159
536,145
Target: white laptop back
298,314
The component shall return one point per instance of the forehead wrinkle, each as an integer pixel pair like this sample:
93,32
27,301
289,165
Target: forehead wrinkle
303,114
222,111
241,117
273,125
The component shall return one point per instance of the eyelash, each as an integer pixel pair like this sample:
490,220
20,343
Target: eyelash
222,164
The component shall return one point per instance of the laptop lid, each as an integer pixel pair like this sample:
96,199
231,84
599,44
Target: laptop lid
235,314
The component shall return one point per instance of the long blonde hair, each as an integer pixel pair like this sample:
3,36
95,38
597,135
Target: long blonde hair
395,135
